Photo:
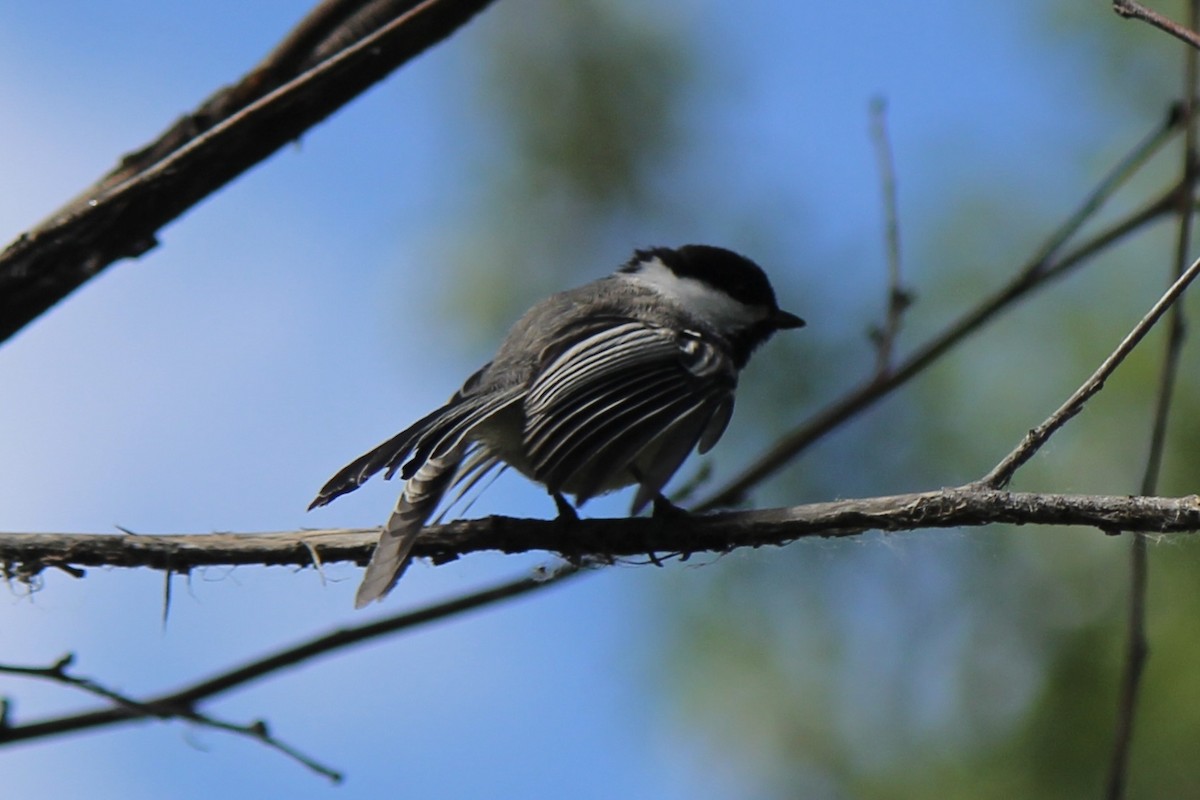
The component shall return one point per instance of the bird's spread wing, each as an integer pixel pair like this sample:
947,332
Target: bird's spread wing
387,455
436,434
617,391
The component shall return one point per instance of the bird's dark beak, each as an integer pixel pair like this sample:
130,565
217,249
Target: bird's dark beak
782,320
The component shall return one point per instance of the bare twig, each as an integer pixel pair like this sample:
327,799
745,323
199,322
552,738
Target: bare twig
1035,274
120,216
1168,125
898,298
1130,9
1045,264
182,703
612,538
1137,646
57,672
1003,472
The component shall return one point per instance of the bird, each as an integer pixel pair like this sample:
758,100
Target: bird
608,385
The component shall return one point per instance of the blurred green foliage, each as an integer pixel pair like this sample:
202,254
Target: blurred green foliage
584,100
976,664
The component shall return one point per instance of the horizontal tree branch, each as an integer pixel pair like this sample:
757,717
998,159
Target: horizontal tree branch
25,554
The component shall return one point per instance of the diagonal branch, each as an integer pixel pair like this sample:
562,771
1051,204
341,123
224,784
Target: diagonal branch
258,731
1131,9
120,216
1037,273
182,703
1046,264
1003,472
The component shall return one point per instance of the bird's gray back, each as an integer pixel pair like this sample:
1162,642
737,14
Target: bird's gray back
548,324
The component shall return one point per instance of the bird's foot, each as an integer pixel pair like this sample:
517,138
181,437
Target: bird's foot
664,509
566,511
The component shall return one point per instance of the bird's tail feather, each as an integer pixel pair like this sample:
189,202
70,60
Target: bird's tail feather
421,495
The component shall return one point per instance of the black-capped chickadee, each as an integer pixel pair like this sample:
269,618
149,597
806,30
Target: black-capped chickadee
604,386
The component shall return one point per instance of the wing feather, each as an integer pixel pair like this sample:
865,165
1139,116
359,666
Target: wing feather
716,425
615,391
473,470
450,431
578,445
673,447
387,455
434,435
627,443
588,408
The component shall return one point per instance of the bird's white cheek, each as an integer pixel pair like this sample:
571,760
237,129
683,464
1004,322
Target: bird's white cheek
717,308
701,300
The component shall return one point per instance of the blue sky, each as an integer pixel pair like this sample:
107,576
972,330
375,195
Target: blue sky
215,383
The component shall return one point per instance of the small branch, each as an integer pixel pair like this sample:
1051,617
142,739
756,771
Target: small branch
1137,645
259,731
183,701
1042,267
1130,9
1137,648
898,299
613,538
1036,273
57,672
1168,125
1003,472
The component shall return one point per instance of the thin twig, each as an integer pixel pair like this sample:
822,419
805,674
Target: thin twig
1137,648
1003,472
57,672
1130,9
1168,125
1137,645
1043,266
259,731
898,298
1035,274
182,702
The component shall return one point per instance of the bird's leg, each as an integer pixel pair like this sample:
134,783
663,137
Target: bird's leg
666,513
662,508
573,534
566,511
666,510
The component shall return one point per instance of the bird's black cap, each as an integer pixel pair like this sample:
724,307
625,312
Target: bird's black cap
722,269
